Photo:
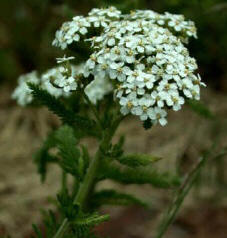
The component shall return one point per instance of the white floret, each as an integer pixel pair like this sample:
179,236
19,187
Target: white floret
22,93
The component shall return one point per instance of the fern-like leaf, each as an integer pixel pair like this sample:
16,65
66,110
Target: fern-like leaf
66,206
91,220
57,107
50,222
136,160
42,157
127,175
112,197
71,161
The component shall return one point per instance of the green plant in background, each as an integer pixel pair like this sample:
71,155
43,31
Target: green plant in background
132,64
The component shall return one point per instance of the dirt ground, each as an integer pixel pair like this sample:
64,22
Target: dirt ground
204,214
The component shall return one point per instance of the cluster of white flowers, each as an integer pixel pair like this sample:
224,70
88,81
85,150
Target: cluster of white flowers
139,56
22,93
174,22
55,82
76,29
150,66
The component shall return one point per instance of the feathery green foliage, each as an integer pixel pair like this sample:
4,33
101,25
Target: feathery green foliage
71,160
112,197
90,220
128,175
50,222
50,225
136,160
57,107
81,223
66,206
42,157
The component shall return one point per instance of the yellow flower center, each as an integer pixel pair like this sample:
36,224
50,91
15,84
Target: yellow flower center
144,108
129,104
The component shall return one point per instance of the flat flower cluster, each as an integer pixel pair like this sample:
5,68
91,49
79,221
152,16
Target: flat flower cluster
60,81
77,29
22,93
140,57
57,81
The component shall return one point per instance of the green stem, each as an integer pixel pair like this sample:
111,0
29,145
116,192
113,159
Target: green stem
62,229
75,187
89,180
83,192
180,196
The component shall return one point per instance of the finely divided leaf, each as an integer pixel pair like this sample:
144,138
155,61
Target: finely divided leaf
112,197
91,220
71,160
127,175
135,160
42,156
66,205
56,106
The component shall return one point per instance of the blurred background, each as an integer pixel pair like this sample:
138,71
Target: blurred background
27,28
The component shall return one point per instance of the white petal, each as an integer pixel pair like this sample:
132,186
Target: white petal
162,121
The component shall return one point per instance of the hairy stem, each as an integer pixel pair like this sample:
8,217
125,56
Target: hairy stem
88,183
83,191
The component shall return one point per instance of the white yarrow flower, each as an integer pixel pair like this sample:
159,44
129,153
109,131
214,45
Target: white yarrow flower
140,57
22,93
